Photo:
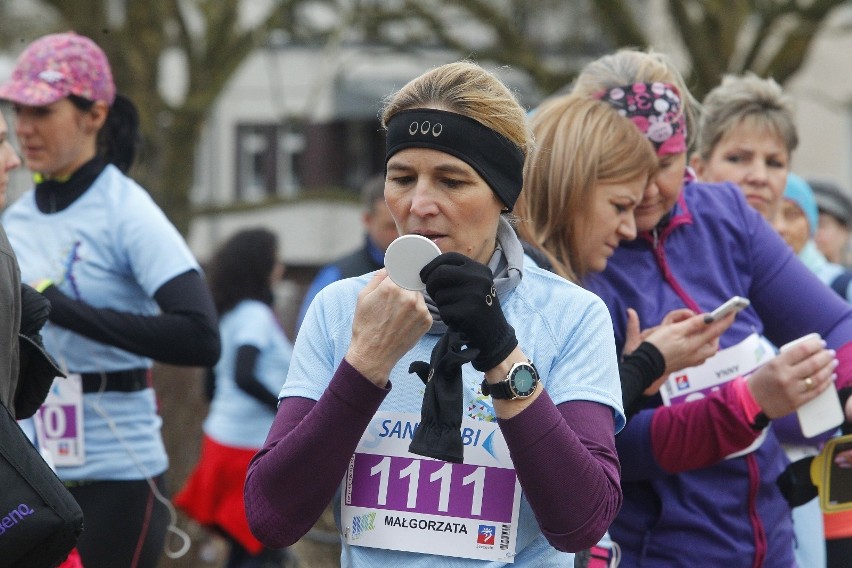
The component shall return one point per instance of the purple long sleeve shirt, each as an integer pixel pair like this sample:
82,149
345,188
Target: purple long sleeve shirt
577,436
684,504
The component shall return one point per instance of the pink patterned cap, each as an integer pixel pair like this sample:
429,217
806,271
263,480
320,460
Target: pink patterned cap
57,65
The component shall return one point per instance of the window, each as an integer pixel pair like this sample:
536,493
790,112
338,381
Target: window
267,160
291,145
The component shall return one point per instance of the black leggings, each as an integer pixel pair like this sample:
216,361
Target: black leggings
239,557
124,525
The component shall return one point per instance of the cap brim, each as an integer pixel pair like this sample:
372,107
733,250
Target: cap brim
836,211
29,94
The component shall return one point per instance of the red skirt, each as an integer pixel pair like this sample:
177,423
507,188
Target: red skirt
73,560
213,494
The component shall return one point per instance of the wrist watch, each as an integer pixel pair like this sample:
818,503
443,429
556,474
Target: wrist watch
520,382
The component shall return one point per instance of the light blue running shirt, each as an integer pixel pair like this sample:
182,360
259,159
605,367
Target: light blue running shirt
236,418
111,248
565,330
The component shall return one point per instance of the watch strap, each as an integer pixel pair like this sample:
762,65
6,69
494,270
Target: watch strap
502,390
499,390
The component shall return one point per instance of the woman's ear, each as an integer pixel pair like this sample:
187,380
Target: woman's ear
698,165
96,116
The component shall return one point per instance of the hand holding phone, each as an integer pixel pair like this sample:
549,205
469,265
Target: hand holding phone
735,304
823,412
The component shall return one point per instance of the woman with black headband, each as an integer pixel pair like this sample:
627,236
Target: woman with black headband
355,420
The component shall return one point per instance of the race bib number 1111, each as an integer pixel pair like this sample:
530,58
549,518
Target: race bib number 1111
395,500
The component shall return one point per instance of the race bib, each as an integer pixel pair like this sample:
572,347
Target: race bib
694,383
59,422
395,500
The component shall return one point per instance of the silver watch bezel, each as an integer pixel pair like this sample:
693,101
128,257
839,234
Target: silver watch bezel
510,376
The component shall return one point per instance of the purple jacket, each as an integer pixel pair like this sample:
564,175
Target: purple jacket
684,504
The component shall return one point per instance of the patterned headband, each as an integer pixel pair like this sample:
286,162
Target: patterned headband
655,109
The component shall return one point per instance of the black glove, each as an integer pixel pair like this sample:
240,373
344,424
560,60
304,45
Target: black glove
34,310
464,292
439,433
795,482
37,369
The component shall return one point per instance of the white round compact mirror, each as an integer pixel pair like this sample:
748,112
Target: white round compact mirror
406,256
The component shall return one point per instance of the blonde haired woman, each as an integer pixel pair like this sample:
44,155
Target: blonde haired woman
584,179
455,152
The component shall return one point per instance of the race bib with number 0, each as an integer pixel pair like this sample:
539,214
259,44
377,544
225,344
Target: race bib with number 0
59,422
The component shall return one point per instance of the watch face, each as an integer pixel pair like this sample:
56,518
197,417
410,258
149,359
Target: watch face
523,381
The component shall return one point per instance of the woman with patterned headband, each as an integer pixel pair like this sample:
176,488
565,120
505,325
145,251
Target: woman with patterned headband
577,211
539,396
124,287
699,471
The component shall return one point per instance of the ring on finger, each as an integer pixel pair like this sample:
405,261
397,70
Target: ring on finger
809,384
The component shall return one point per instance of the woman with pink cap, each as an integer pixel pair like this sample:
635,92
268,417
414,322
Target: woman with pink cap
124,287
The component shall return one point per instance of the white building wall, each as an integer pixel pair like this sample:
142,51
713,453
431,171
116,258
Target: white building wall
823,92
268,87
309,232
308,83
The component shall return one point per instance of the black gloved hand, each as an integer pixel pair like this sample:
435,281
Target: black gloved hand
36,369
439,433
464,292
35,375
34,310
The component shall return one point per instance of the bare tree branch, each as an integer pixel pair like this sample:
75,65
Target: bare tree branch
720,36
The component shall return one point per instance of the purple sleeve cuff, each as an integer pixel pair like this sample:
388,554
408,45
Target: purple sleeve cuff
310,444
356,391
533,424
789,431
547,441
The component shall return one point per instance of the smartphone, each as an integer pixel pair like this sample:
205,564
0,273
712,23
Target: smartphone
835,482
822,413
840,488
735,304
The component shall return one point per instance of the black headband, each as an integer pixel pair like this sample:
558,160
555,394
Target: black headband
493,156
